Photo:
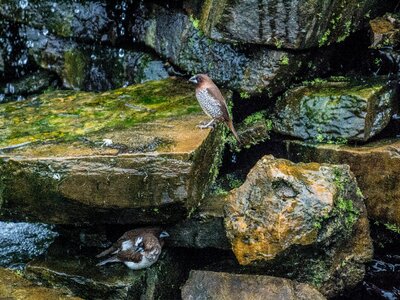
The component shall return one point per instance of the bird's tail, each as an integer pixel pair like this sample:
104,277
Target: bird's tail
106,252
230,125
108,260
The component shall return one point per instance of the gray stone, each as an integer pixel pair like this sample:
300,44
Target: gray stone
176,37
80,20
206,285
21,242
91,68
290,24
345,110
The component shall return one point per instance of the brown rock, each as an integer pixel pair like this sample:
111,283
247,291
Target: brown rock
376,166
303,221
14,287
132,155
217,285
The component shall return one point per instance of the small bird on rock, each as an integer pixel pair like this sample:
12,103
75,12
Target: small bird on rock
212,102
137,249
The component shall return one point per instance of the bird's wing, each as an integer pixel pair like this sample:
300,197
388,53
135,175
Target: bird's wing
129,256
215,93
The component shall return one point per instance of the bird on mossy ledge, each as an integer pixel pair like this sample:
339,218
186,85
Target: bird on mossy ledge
212,102
137,248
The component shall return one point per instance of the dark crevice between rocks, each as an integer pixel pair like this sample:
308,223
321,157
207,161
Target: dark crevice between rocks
382,279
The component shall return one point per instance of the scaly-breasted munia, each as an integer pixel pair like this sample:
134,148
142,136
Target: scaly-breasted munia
212,102
137,249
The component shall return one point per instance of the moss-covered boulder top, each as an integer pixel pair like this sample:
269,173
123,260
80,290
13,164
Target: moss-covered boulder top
114,157
337,108
156,116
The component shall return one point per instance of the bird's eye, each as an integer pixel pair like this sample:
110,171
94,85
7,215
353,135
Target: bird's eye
199,79
141,245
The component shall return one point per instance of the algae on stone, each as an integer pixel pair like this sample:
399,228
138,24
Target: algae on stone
336,110
300,221
128,155
13,286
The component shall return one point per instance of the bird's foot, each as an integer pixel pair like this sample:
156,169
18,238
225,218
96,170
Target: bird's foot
205,124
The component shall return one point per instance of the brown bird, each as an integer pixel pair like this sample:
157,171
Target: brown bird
137,249
212,102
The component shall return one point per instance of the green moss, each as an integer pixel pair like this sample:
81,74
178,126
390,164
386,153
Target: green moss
284,61
75,67
393,227
195,22
244,95
324,39
67,115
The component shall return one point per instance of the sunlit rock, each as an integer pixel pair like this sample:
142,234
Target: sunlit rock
219,285
132,155
285,23
13,286
376,166
177,37
303,221
332,110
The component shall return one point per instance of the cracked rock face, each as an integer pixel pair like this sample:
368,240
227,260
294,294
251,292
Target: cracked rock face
284,210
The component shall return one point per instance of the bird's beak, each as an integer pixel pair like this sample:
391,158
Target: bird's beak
164,234
193,79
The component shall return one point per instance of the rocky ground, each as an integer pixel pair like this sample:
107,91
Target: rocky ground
98,136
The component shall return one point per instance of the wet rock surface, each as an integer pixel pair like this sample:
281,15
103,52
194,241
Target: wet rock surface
379,183
284,214
132,155
90,67
286,24
21,242
219,285
13,286
86,21
354,111
80,276
173,35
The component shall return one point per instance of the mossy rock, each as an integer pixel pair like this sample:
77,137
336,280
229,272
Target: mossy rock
81,276
14,287
306,222
336,109
132,155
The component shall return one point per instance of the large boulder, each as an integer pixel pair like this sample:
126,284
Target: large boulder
208,285
13,286
290,24
376,166
177,37
301,221
332,110
132,155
